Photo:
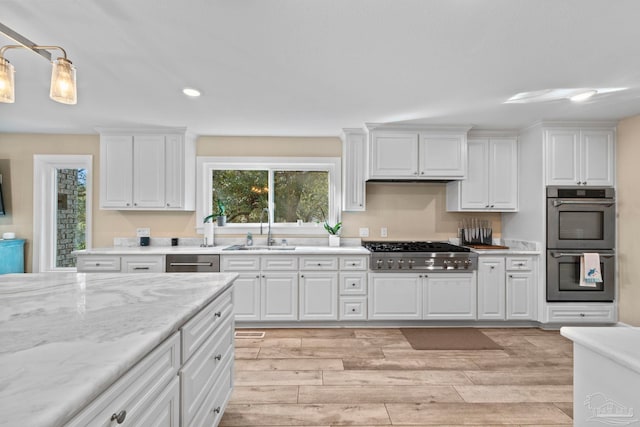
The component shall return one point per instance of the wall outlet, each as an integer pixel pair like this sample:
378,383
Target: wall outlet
383,232
143,232
364,231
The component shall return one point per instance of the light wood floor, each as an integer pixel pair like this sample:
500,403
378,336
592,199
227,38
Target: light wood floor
371,377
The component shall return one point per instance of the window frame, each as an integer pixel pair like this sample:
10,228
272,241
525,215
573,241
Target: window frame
207,164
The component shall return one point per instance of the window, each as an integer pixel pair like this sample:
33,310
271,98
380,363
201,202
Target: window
302,192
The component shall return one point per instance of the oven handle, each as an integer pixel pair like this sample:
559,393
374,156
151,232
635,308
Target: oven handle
557,203
561,254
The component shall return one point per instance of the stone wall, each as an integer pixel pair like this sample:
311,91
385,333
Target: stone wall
67,216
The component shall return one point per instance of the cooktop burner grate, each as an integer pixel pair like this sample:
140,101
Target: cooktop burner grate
413,247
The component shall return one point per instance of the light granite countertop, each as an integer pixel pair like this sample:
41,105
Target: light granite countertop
620,344
165,250
66,337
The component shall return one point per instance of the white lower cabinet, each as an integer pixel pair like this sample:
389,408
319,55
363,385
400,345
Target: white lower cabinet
247,296
395,296
353,308
507,288
411,296
120,264
279,295
580,313
142,264
165,410
449,296
318,295
491,288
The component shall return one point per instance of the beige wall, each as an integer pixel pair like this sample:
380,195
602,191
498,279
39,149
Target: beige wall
628,154
409,211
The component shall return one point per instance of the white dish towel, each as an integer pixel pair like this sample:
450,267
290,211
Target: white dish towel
590,274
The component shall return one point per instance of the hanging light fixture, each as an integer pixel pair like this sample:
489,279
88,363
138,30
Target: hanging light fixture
63,76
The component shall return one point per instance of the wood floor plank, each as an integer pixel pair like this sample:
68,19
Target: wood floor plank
533,376
289,365
378,333
392,353
476,413
380,342
524,362
246,353
308,333
265,394
411,364
268,342
259,378
379,394
515,393
305,415
320,353
381,377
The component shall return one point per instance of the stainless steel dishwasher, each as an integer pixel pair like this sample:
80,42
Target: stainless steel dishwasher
192,263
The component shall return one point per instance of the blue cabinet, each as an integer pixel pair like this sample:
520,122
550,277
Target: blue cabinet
11,256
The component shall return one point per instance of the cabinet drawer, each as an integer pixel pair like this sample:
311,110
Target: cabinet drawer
240,263
279,263
143,264
353,308
318,263
101,263
353,283
137,390
581,314
519,263
197,330
354,263
200,373
216,401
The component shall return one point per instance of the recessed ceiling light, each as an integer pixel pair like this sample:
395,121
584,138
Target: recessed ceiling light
583,96
194,93
574,94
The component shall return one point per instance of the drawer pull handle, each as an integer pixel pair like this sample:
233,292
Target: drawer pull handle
141,268
353,264
97,264
353,309
319,264
119,417
190,264
218,357
582,314
217,314
353,284
217,410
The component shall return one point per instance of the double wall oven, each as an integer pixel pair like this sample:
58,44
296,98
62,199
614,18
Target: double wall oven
580,220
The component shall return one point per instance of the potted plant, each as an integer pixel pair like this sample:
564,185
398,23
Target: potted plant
221,216
334,237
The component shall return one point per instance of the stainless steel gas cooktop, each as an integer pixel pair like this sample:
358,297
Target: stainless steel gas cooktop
420,256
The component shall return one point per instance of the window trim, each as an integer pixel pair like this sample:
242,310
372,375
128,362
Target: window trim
206,164
45,205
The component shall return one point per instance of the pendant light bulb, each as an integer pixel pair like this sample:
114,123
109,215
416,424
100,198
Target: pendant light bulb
63,82
7,84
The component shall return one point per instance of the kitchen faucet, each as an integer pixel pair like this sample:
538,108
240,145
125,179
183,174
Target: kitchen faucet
270,240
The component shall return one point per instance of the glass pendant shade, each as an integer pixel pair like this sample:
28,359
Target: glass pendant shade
63,82
7,87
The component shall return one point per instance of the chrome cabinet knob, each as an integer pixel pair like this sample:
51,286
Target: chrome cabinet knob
216,410
218,357
217,314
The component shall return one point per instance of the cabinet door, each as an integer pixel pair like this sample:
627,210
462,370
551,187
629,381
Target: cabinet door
394,155
246,296
503,174
148,171
563,156
443,155
116,171
597,157
474,191
279,292
521,302
491,288
353,283
354,172
174,184
450,296
395,296
318,296
164,410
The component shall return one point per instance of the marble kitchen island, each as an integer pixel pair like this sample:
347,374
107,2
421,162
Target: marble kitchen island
67,338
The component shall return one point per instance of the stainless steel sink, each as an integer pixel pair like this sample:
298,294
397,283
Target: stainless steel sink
259,248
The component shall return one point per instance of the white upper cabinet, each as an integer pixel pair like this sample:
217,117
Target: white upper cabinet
354,173
492,177
147,170
410,153
580,156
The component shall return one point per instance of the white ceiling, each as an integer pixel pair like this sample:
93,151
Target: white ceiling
303,67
